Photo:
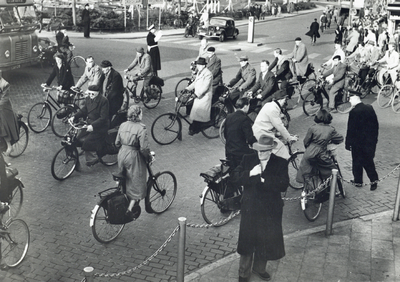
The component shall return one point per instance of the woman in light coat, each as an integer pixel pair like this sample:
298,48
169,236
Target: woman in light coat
202,86
352,39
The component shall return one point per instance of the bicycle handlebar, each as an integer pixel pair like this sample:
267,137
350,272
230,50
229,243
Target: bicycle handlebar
48,88
82,124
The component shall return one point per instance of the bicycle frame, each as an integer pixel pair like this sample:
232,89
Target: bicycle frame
50,100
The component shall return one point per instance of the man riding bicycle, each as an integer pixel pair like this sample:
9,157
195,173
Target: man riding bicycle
391,59
269,122
337,81
145,69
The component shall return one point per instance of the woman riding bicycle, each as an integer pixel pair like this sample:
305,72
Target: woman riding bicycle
317,156
133,156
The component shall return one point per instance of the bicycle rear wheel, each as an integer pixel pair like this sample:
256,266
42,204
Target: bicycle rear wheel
218,115
211,208
396,103
78,65
310,105
344,107
312,208
20,146
59,123
15,243
15,201
155,96
306,87
294,164
166,128
102,230
64,163
161,192
39,117
181,85
221,132
385,95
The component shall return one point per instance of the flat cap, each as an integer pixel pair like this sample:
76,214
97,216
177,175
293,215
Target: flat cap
211,49
94,88
297,39
105,64
151,27
336,57
243,58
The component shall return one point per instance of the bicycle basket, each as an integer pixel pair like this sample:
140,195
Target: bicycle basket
185,98
65,97
116,207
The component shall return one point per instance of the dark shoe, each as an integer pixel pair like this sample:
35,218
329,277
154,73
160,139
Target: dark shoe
243,279
90,164
356,184
374,186
264,276
193,132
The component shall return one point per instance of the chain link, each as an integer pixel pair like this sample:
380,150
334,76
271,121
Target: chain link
311,193
214,224
374,182
126,272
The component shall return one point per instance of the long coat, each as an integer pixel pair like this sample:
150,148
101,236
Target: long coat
132,138
300,55
93,76
314,27
145,66
202,87
154,52
214,65
353,40
247,75
317,138
114,91
268,85
9,128
96,112
64,76
262,206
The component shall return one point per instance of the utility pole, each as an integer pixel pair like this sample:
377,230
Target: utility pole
74,12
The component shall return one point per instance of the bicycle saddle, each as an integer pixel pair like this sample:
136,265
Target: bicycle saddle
118,176
11,172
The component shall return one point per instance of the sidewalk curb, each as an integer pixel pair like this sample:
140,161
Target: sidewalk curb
202,271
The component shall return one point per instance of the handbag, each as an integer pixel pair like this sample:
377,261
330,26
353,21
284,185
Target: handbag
65,97
116,207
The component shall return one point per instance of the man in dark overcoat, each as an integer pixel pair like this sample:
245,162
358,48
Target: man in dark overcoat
361,140
152,47
113,88
264,176
214,66
94,137
86,21
313,32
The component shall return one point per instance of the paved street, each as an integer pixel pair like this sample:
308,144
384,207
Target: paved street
58,212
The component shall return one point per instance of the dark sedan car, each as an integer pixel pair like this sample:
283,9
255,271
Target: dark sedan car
221,28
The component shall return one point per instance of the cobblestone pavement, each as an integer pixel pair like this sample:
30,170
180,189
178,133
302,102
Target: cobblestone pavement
58,212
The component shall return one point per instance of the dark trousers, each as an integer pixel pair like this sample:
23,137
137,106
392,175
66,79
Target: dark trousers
86,30
3,180
363,158
246,261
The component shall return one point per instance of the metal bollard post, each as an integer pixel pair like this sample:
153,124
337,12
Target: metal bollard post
181,250
89,274
397,203
332,193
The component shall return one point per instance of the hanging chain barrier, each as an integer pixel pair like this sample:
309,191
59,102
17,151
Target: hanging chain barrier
311,193
374,182
219,223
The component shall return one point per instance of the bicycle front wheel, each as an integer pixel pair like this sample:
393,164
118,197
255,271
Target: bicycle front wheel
221,132
59,123
310,105
181,85
20,146
102,230
218,115
166,128
385,95
154,96
161,192
39,117
294,164
306,87
211,208
64,163
312,208
77,65
344,107
15,243
396,103
15,201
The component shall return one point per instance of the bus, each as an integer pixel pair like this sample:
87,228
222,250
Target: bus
18,38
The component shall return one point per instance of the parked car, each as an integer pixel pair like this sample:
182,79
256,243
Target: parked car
221,28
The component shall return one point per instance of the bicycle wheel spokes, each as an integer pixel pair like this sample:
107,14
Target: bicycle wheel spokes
294,164
102,230
161,193
155,97
305,88
166,128
396,103
59,123
64,163
211,208
181,85
15,243
78,65
312,209
221,132
218,115
385,95
19,147
39,117
310,105
15,201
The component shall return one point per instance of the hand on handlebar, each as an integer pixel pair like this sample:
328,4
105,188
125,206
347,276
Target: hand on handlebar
293,138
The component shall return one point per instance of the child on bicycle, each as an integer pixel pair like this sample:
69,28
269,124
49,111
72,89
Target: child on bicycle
317,156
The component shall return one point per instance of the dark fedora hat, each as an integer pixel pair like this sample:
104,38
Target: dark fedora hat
94,88
105,64
201,61
265,143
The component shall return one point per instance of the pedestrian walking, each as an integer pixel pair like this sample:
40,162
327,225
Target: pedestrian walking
328,18
86,21
361,140
314,32
322,21
152,47
339,35
264,176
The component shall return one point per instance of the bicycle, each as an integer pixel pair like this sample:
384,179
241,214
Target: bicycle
66,160
161,192
293,166
185,82
389,95
151,99
40,115
14,240
167,127
312,198
313,102
59,123
353,80
78,65
19,147
219,200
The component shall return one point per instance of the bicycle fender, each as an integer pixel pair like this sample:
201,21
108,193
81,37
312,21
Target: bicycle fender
18,182
94,211
202,195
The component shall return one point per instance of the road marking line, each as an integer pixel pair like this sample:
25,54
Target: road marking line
261,49
313,55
